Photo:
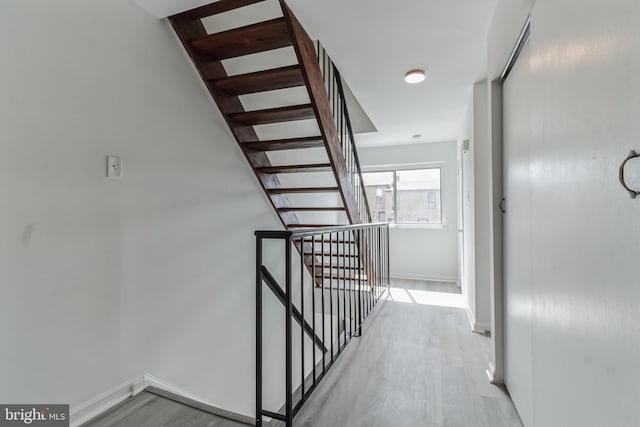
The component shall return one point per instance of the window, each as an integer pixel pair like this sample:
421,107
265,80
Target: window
405,196
379,188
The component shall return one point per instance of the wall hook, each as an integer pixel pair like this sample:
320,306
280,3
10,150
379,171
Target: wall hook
632,155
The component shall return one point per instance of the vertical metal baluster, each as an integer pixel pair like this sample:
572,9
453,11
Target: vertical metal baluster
342,119
375,267
302,314
335,100
372,244
331,293
381,259
324,70
373,262
313,303
380,256
324,340
372,238
368,271
344,287
365,262
388,258
351,277
288,335
359,238
378,263
338,287
258,331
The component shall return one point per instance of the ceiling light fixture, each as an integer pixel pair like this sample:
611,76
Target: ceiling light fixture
415,76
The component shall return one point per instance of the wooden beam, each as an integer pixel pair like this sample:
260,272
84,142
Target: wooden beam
308,59
220,6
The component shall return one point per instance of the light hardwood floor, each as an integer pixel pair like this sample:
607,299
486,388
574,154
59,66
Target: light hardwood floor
148,409
417,364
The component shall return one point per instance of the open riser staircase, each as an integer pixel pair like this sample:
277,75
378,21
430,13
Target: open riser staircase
283,101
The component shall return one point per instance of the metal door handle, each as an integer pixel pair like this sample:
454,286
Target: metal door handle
632,155
502,205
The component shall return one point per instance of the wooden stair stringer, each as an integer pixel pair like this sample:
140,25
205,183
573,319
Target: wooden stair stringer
308,62
203,52
188,29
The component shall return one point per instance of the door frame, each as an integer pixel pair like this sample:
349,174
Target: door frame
496,369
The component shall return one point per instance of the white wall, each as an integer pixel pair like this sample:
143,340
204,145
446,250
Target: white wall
476,189
104,280
421,252
467,222
579,124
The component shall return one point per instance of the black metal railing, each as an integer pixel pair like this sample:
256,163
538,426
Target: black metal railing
343,272
335,90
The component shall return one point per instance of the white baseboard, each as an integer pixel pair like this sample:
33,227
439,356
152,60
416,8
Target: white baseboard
480,328
170,391
83,412
491,373
92,408
447,279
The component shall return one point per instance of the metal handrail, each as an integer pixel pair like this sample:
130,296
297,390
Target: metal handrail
352,138
289,234
337,100
350,266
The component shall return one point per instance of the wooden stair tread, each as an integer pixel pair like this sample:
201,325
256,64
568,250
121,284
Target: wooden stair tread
261,81
312,225
326,253
338,267
316,167
273,115
342,275
303,190
311,209
260,37
329,242
286,144
216,8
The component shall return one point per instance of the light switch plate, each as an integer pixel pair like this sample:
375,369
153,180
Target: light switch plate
114,167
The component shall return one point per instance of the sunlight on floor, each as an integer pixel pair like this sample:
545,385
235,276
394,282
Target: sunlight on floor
438,299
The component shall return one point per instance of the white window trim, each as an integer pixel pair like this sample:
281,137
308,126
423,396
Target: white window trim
412,166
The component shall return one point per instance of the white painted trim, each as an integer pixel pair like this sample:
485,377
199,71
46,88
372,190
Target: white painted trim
180,395
83,412
480,328
447,279
491,373
99,404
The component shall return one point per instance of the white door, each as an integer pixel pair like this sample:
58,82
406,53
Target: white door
517,236
459,195
571,233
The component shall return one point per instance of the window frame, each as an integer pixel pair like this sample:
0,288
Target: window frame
408,167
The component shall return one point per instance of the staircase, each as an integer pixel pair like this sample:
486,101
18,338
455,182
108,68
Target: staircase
333,144
312,179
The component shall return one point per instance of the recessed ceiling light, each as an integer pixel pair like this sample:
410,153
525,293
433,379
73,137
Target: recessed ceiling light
415,76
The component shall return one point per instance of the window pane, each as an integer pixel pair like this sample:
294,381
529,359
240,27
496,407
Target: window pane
419,196
379,189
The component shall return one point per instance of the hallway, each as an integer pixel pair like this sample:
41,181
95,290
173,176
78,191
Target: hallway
417,364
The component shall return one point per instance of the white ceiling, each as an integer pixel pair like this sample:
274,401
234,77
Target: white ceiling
375,42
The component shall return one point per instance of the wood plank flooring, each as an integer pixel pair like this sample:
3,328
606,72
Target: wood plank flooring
417,364
147,409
